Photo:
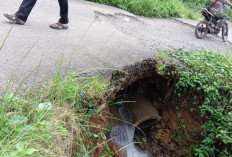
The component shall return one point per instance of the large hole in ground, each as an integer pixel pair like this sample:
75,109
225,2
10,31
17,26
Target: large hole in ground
147,114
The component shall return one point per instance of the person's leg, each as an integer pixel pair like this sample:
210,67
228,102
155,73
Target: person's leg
63,21
25,9
63,11
222,19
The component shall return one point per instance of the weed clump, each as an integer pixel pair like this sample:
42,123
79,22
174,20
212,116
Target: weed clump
62,129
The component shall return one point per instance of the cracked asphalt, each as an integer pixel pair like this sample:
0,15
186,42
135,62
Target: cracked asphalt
99,37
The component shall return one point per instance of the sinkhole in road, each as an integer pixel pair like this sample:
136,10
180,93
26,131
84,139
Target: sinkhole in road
146,122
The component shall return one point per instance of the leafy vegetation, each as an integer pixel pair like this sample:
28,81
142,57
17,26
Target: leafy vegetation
156,8
207,76
196,4
161,8
53,120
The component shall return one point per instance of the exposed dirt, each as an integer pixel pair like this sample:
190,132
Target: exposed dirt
175,133
180,124
176,123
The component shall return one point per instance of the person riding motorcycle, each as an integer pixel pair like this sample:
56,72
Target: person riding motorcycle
216,9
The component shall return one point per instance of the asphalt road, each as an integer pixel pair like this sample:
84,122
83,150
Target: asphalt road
99,37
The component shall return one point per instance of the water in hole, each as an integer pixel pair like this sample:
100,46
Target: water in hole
124,135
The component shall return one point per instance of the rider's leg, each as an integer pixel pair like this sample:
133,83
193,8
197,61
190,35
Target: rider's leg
220,22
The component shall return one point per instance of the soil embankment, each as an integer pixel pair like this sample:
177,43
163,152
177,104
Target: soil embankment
166,125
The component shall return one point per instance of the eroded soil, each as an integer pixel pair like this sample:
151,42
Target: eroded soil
180,124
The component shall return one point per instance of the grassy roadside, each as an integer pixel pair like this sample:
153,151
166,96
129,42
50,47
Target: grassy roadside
158,8
60,126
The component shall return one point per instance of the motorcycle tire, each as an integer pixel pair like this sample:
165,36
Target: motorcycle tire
225,32
201,30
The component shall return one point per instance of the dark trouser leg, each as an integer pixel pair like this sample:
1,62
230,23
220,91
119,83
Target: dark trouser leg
222,17
63,11
25,9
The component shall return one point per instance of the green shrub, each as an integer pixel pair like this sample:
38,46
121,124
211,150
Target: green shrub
142,7
217,133
161,8
168,8
196,4
150,8
123,4
207,76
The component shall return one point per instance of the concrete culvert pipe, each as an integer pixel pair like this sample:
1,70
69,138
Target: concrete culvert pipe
141,110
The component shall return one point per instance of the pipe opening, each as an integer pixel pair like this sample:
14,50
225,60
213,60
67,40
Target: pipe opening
145,108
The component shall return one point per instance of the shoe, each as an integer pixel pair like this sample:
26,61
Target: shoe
59,25
14,18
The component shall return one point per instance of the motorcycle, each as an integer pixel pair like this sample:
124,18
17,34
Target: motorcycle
207,26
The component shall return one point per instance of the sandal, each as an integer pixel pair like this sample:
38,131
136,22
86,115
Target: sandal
59,25
14,18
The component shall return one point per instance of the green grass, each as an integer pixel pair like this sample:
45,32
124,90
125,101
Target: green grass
190,13
26,130
157,8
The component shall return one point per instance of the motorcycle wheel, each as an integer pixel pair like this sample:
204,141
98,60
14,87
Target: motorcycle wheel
201,30
225,32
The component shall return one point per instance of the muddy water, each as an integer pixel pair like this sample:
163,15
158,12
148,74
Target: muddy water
124,135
